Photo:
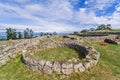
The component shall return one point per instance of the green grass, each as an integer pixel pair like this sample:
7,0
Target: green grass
58,53
115,30
108,68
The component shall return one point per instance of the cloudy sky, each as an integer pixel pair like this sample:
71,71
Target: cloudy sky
58,15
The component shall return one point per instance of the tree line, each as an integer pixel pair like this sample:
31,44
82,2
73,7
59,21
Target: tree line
13,34
100,27
26,34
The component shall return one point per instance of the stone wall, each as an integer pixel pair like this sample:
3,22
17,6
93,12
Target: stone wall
88,38
14,48
9,51
66,67
112,41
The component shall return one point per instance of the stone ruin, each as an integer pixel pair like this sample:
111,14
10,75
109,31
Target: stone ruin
118,36
10,51
30,46
90,59
112,41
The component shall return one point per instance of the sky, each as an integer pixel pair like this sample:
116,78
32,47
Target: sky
58,15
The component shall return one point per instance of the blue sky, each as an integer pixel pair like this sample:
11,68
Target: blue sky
58,15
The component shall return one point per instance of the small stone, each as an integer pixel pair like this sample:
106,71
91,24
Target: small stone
23,51
57,67
67,65
96,56
79,67
47,69
35,61
41,62
35,68
93,62
87,64
67,71
40,68
74,60
30,61
49,63
67,68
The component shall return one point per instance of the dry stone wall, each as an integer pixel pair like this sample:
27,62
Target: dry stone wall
88,38
7,52
66,67
112,41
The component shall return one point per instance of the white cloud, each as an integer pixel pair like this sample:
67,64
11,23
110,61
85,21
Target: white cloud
90,17
34,7
86,2
52,12
84,17
100,4
50,17
61,9
47,27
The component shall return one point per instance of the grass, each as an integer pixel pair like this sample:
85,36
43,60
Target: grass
58,53
108,68
115,30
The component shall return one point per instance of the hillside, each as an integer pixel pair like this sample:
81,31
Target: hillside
114,30
106,69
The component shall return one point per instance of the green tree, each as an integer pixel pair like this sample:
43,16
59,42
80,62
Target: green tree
14,34
92,29
50,34
101,27
104,27
109,26
41,33
54,33
27,30
84,31
28,33
31,33
25,34
11,33
75,32
19,35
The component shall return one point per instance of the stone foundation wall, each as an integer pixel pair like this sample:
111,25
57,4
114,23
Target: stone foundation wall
9,51
66,67
112,41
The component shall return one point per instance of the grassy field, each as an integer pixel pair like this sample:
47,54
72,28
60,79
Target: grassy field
108,68
58,53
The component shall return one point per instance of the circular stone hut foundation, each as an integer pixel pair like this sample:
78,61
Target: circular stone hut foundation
90,59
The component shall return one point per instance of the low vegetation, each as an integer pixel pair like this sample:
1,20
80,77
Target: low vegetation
108,67
58,53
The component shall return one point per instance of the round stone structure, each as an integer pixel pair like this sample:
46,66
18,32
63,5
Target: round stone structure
90,59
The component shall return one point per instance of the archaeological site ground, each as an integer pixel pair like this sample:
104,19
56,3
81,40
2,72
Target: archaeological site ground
61,57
